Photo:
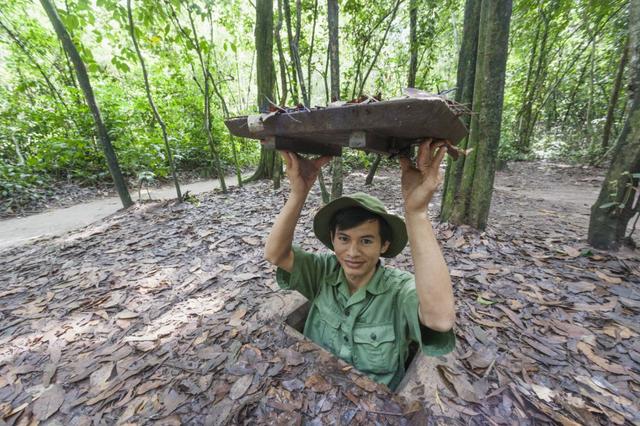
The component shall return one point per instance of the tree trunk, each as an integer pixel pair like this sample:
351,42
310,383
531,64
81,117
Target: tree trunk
156,114
207,104
614,208
533,88
472,199
372,171
225,111
294,41
282,63
464,95
56,94
334,65
292,70
270,162
411,75
615,94
85,84
310,58
378,50
413,44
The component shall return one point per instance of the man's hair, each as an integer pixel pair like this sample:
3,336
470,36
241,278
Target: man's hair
351,217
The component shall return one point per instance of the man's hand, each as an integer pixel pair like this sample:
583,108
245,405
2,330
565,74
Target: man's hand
420,182
302,172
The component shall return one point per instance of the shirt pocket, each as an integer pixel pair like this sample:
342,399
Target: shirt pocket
375,348
329,330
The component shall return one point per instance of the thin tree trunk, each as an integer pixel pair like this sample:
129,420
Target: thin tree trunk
270,162
413,69
413,44
156,114
204,89
614,208
334,65
85,84
326,196
294,40
207,104
372,171
574,92
225,111
589,118
293,79
310,58
473,198
16,146
379,49
281,60
464,94
56,94
615,94
533,87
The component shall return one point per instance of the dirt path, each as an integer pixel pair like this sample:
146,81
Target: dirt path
19,231
526,190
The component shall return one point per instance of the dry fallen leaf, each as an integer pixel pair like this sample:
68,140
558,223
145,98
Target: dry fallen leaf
607,278
317,383
365,383
99,378
543,392
240,387
599,361
48,403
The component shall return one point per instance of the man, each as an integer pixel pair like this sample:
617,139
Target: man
361,311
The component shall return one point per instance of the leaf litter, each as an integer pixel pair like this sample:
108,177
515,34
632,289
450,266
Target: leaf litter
152,315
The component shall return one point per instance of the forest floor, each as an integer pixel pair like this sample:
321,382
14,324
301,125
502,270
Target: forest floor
160,313
75,206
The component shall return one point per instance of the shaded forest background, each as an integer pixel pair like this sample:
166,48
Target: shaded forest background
565,95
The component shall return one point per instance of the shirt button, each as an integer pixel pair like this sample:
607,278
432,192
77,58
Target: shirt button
373,336
347,311
346,339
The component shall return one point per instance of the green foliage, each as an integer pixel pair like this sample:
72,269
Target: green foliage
57,134
52,129
20,185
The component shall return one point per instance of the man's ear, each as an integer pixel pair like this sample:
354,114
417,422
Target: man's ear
385,247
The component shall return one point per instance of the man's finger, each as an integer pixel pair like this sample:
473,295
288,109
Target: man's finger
442,150
405,163
319,162
434,148
423,155
286,156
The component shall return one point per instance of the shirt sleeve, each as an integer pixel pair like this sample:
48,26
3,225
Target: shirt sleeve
432,343
307,274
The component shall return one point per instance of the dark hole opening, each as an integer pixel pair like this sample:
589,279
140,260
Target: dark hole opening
298,317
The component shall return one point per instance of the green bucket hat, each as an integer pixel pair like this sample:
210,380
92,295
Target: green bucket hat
368,202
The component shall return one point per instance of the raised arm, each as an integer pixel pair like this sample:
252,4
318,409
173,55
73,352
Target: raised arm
302,174
433,282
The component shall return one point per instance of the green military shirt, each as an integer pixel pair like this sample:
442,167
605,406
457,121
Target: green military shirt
371,328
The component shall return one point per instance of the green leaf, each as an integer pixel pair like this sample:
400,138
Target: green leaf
93,67
607,205
485,302
586,253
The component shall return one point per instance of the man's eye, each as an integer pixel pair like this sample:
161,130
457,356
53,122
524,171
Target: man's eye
367,241
342,238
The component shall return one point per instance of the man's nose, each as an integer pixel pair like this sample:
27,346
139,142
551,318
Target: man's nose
353,249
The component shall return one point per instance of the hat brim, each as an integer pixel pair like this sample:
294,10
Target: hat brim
322,220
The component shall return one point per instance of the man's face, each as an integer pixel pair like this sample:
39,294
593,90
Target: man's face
358,250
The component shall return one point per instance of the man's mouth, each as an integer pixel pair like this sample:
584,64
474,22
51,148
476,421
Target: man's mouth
353,264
